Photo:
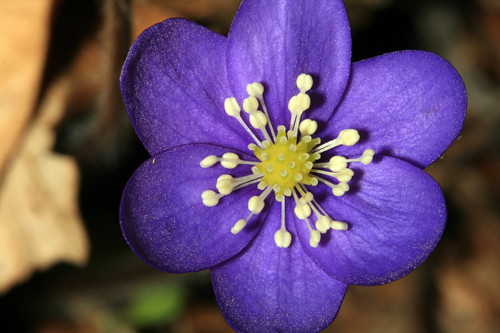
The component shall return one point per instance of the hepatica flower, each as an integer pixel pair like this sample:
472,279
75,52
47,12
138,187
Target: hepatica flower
281,166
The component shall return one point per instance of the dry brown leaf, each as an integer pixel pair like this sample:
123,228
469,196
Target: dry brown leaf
24,33
40,222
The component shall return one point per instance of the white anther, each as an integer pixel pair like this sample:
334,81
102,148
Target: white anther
282,238
340,189
210,198
208,161
283,140
337,163
303,102
291,165
231,106
262,118
348,137
283,173
230,160
308,197
238,226
250,104
344,175
302,211
308,127
367,157
255,89
225,185
222,177
255,205
337,225
293,105
269,168
315,238
304,82
323,224
281,157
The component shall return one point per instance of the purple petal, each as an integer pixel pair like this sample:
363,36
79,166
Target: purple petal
165,221
410,105
270,289
174,84
272,42
396,215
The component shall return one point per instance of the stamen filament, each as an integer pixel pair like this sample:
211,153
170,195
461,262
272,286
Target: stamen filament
282,237
250,105
337,190
256,90
315,236
233,109
346,137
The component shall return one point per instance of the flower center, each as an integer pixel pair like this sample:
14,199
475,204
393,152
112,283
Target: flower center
287,163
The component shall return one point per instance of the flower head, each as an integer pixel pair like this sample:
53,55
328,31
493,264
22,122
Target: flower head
281,166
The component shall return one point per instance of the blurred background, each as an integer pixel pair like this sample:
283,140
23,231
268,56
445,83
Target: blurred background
67,149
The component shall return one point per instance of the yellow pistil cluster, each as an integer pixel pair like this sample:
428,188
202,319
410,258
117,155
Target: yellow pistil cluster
286,163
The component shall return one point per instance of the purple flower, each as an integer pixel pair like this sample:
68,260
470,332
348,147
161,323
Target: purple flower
316,185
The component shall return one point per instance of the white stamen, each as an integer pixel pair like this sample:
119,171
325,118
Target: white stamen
262,119
323,224
257,90
230,160
227,184
315,238
347,137
250,105
282,237
338,163
208,161
343,175
304,82
337,225
238,226
302,211
308,127
337,190
233,109
210,198
256,203
315,235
